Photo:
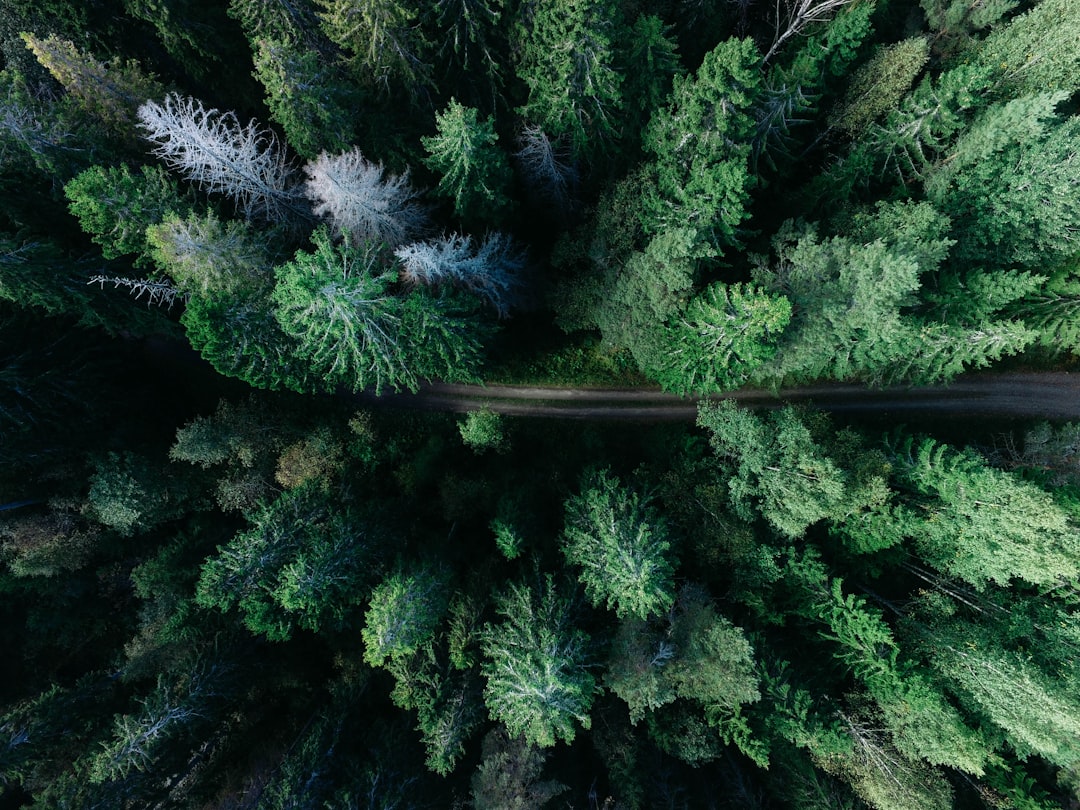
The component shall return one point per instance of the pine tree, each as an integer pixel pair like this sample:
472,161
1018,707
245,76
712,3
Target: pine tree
493,272
302,564
213,149
116,207
984,525
356,197
620,543
112,92
701,141
474,171
386,47
210,258
724,336
404,612
306,97
537,681
336,305
568,62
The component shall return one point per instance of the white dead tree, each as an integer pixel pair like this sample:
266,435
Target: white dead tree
361,198
545,165
792,17
492,271
213,149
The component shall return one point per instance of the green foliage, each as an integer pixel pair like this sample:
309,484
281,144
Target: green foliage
778,470
984,525
403,614
724,336
305,95
568,62
385,47
701,143
303,564
116,207
508,777
1010,185
877,87
109,92
39,275
618,540
131,493
483,430
473,171
208,257
336,304
534,662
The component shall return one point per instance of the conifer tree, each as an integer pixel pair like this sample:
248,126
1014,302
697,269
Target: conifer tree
117,207
213,149
701,140
474,171
537,683
568,62
357,196
112,92
620,544
336,304
384,42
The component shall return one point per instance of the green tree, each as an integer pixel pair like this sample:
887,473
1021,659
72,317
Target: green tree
508,776
473,171
302,564
701,143
404,613
725,335
568,62
778,470
484,430
211,258
116,207
877,87
110,92
1010,185
386,47
336,304
305,95
620,543
534,662
981,524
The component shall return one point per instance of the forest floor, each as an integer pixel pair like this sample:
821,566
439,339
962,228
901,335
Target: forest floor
1042,395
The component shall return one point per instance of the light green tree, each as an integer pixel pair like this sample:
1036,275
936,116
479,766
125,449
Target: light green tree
473,171
116,207
724,336
982,524
336,304
538,685
701,143
621,546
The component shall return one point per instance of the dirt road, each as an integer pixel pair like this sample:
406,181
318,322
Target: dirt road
1048,395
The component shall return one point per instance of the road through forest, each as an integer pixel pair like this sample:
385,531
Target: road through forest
1046,395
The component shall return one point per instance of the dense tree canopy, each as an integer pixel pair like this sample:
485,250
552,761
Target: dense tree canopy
242,564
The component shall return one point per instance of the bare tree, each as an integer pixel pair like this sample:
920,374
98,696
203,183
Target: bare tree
545,165
792,17
215,150
359,197
492,271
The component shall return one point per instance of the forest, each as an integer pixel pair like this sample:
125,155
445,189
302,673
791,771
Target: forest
235,575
